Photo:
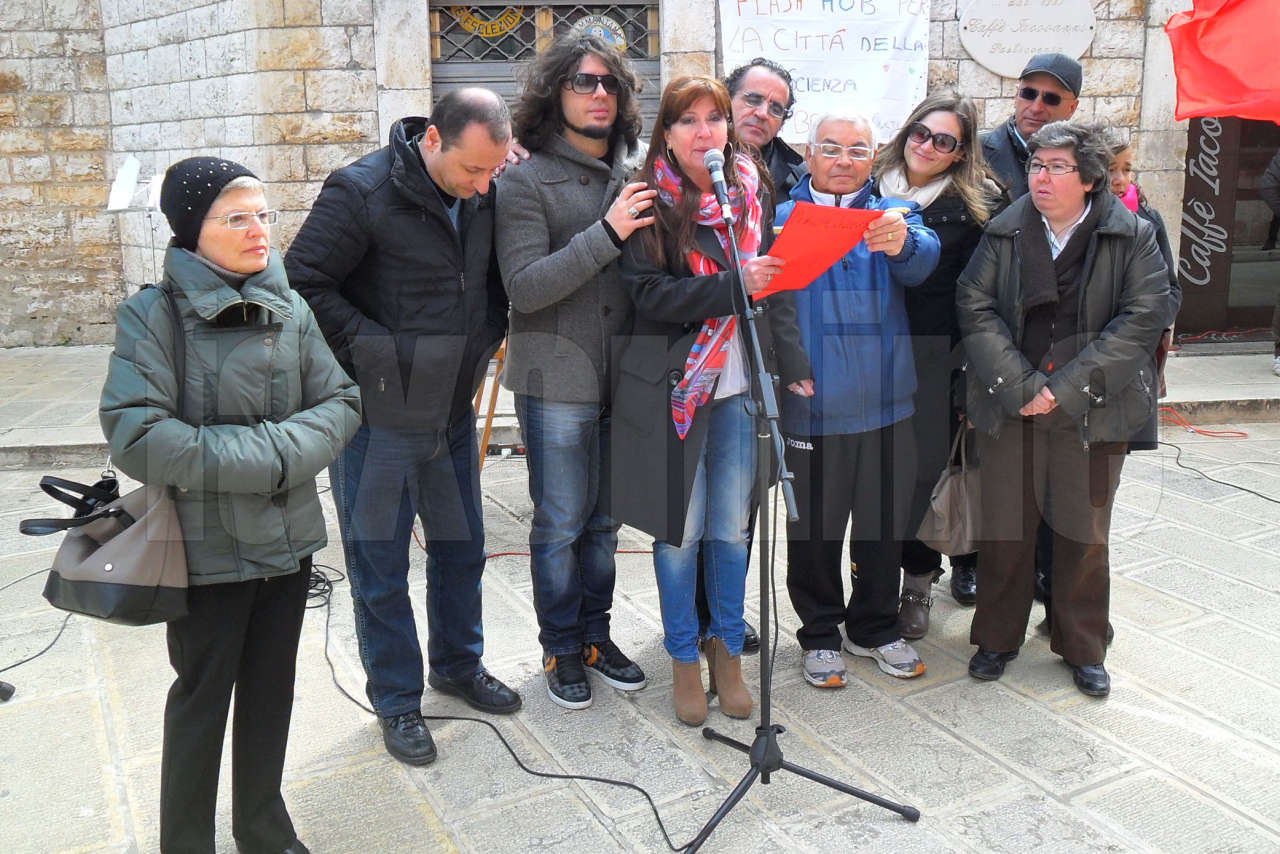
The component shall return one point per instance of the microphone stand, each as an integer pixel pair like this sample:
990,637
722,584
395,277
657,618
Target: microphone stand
764,752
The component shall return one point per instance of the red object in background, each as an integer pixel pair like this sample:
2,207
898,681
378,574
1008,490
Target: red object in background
1224,56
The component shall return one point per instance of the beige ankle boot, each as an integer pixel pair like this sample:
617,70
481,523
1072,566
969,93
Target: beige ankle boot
690,699
913,607
726,680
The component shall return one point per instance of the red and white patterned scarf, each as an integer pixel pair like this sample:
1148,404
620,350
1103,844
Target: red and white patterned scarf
710,349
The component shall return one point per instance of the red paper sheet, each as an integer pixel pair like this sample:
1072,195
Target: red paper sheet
813,238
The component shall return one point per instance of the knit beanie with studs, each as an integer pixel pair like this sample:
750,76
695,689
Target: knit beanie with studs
189,190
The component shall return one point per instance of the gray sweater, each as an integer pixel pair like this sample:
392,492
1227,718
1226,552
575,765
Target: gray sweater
560,269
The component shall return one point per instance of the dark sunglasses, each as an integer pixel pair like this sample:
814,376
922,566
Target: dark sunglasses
585,84
943,143
1029,93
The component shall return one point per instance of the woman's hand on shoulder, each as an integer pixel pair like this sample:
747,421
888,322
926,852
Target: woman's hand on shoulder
632,209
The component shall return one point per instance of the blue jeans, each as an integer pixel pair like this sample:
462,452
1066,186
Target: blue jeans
726,472
573,539
380,482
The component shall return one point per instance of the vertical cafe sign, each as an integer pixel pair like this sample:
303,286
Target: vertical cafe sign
1208,213
866,56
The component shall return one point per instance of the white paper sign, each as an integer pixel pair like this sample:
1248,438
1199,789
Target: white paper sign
861,56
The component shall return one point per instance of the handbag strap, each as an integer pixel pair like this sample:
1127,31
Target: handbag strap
41,527
958,441
179,343
90,497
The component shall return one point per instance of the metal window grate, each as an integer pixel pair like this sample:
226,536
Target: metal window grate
517,33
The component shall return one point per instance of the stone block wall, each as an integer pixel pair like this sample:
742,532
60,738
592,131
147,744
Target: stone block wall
286,87
59,255
1128,81
297,88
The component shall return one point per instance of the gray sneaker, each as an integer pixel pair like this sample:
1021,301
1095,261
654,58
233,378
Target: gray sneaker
824,668
897,659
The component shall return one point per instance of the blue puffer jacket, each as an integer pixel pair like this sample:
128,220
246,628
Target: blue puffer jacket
853,321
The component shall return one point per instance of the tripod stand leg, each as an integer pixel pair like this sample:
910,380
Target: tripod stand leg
729,803
708,732
909,813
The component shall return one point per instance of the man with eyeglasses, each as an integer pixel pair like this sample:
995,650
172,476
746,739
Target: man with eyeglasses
396,260
848,431
579,118
762,99
1048,91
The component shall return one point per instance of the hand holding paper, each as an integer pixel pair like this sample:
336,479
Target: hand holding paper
888,233
760,271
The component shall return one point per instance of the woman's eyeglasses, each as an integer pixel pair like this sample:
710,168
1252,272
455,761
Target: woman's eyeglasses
943,143
240,219
775,109
1029,93
1035,167
585,84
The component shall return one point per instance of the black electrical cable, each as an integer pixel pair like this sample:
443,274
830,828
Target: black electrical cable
321,589
48,647
1178,462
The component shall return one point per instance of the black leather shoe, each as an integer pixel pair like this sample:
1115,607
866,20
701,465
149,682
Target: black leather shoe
988,665
484,692
964,584
408,739
750,639
1092,679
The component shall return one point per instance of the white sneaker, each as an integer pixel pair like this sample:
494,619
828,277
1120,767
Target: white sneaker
1275,366
897,659
824,668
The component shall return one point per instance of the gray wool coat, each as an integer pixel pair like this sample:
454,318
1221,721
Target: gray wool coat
569,307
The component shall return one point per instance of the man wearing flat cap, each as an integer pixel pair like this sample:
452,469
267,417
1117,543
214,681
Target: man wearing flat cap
1048,91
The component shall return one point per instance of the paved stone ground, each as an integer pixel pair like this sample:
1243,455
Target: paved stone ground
1184,755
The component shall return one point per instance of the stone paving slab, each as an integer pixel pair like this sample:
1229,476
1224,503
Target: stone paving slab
1182,757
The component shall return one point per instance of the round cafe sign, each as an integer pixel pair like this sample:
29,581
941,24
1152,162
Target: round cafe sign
1003,34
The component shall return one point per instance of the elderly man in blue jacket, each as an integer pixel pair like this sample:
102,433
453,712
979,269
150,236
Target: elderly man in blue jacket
847,434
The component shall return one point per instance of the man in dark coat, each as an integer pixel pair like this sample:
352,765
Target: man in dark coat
1048,91
396,260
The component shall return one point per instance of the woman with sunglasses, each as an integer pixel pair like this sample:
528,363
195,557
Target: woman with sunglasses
683,440
935,162
239,422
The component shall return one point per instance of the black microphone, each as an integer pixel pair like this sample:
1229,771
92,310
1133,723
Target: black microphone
6,691
713,160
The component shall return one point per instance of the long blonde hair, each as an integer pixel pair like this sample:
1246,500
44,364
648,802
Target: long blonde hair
969,174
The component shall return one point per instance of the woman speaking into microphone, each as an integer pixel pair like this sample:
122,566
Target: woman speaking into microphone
684,453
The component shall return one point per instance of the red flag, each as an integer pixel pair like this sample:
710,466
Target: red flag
1224,56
